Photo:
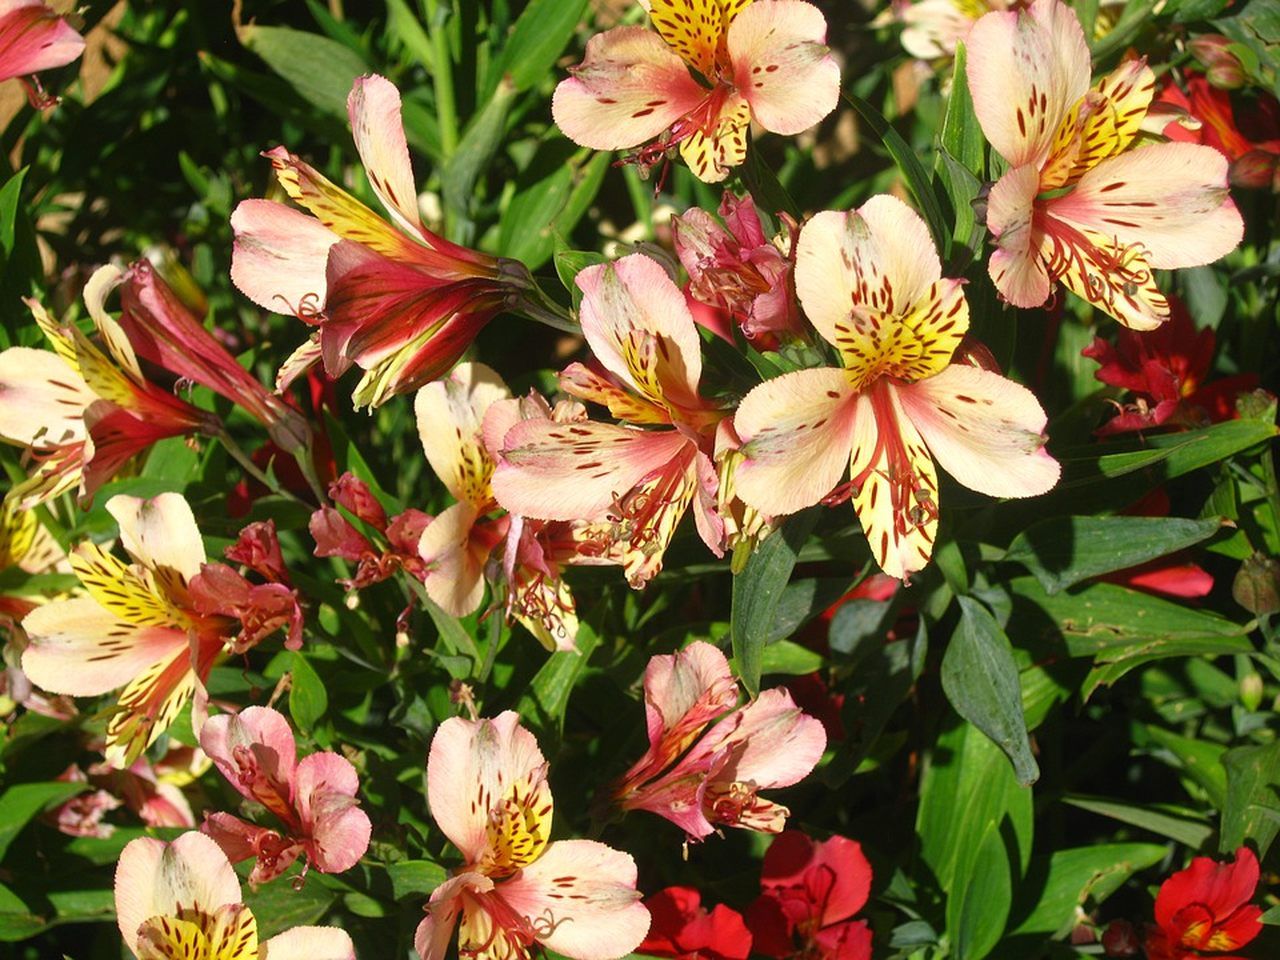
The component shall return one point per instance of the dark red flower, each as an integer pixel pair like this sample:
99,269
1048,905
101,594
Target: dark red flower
684,929
1165,369
808,893
1206,908
261,608
335,536
1248,137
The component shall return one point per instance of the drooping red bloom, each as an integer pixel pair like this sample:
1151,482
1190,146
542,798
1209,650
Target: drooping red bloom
335,536
808,893
1165,371
684,929
1248,137
1206,908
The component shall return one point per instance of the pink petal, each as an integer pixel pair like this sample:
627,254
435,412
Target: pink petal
324,791
1025,70
309,943
279,256
81,649
34,38
157,879
160,532
434,933
782,65
255,750
797,432
455,575
629,88
635,297
985,430
374,110
588,890
238,839
450,414
772,742
1170,198
1016,266
466,760
42,399
879,257
575,471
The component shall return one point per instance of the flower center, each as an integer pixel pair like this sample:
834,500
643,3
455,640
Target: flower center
229,933
519,826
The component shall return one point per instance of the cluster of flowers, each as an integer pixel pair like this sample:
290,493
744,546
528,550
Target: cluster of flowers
892,387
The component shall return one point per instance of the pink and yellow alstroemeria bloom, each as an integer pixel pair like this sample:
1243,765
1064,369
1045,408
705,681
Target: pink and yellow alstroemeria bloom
871,284
136,629
182,901
400,302
84,411
488,791
639,481
457,543
702,779
697,80
1080,203
33,38
314,798
931,29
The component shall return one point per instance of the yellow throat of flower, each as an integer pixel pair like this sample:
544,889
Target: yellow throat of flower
229,933
519,826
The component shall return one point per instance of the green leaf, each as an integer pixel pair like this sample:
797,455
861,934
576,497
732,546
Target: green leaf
279,907
415,878
308,699
321,70
913,172
475,151
536,41
1200,760
24,801
1252,807
961,136
1182,826
1062,551
977,910
789,658
1060,885
981,681
547,697
549,209
757,590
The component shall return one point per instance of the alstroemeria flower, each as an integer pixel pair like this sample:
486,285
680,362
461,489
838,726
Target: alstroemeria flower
336,537
165,332
765,61
1166,370
488,792
33,38
261,608
808,893
639,481
400,302
1246,133
701,779
684,929
137,629
1206,907
1079,203
871,283
932,28
84,411
182,900
314,798
735,268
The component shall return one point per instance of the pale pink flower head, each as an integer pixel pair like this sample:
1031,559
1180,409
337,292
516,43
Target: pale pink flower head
871,284
1080,204
394,299
702,779
137,628
487,787
698,79
931,29
636,483
34,38
179,900
736,268
314,799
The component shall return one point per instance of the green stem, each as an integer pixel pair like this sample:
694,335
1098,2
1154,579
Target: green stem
251,468
442,74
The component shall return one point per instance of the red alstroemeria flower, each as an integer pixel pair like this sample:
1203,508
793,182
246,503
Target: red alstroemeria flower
808,893
684,929
1249,137
1165,369
1206,908
34,38
335,536
400,302
735,268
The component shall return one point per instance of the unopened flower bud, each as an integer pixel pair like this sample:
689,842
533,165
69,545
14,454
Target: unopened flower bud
1222,67
1257,170
1256,586
1251,690
1120,939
